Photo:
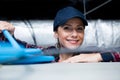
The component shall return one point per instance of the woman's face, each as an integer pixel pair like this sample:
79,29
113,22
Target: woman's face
71,34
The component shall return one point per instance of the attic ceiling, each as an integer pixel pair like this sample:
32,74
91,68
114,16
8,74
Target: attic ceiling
46,9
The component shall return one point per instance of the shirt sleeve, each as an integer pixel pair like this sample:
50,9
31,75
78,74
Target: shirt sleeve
20,42
111,56
26,45
2,38
116,56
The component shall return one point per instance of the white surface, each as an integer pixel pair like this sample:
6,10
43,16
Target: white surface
61,71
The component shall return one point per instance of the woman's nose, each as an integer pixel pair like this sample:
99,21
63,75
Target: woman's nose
74,33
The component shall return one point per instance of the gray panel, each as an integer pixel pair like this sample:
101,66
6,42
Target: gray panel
61,71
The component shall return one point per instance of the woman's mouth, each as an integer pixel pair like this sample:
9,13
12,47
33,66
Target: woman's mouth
73,41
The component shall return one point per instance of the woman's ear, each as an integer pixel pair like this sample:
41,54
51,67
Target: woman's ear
56,35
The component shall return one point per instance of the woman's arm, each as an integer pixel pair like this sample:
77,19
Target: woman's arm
95,57
8,26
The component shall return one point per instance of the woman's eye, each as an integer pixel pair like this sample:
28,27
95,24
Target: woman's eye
67,28
80,29
70,29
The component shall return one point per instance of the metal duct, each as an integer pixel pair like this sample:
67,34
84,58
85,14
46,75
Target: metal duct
101,33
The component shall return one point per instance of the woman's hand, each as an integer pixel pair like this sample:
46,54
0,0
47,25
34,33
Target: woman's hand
8,26
85,58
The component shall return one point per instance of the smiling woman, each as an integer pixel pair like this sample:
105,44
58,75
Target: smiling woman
71,19
31,31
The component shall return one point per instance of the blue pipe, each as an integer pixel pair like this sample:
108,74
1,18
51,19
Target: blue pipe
18,55
10,39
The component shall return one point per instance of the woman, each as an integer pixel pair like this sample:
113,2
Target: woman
69,25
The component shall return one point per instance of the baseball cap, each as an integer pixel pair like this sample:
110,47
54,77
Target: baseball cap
67,13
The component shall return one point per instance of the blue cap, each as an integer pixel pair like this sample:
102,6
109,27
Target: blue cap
67,13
